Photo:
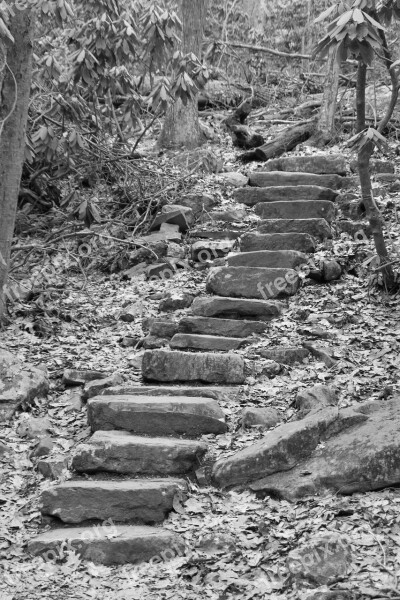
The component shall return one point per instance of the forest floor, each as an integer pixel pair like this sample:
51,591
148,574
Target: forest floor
236,544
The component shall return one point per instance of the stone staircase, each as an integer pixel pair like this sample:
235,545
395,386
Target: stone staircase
145,438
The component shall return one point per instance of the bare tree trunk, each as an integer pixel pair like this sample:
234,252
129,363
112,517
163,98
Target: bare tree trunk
14,101
326,120
181,124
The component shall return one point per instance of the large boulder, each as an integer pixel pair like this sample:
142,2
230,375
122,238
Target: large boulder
19,383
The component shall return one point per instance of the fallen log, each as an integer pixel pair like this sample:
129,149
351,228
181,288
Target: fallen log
285,141
242,135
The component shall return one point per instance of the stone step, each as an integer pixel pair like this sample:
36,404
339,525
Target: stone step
273,259
262,310
158,415
252,282
286,355
252,242
164,365
289,193
222,235
220,393
190,341
303,209
223,327
145,500
281,178
122,452
320,164
317,228
109,544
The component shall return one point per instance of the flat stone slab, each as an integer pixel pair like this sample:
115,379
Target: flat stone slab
109,544
224,235
317,228
273,259
158,415
303,209
121,452
223,327
284,193
224,393
280,178
186,341
209,250
317,163
286,355
20,382
301,242
145,500
263,310
253,282
162,365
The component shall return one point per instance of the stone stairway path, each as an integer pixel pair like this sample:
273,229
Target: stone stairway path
145,440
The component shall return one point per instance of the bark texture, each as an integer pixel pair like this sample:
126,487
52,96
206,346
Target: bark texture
14,100
326,120
181,124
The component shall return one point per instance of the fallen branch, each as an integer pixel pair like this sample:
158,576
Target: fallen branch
263,49
285,141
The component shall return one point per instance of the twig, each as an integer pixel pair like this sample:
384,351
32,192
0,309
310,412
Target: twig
263,49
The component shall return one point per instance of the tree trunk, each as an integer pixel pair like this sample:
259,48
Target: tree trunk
364,155
14,101
181,124
285,141
326,120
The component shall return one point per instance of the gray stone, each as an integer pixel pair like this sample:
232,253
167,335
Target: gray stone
331,270
151,342
42,448
302,209
216,235
318,228
286,355
77,377
158,415
175,300
356,229
301,242
179,215
220,393
233,215
122,452
270,368
208,250
53,468
255,417
146,500
165,329
20,383
252,282
251,196
284,259
189,341
131,312
233,179
161,365
315,398
281,178
94,388
109,545
316,163
376,166
199,203
386,178
322,560
263,310
34,427
165,270
321,354
223,327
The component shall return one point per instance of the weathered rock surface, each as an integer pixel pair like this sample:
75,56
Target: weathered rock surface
317,163
251,196
208,250
232,179
181,216
161,365
283,259
19,382
185,341
224,393
331,270
286,355
265,417
158,415
93,388
304,209
301,242
109,545
34,427
121,452
175,300
362,457
131,312
315,398
281,178
318,228
223,327
264,310
232,215
76,377
146,500
163,329
323,560
52,468
252,282
216,235
199,203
